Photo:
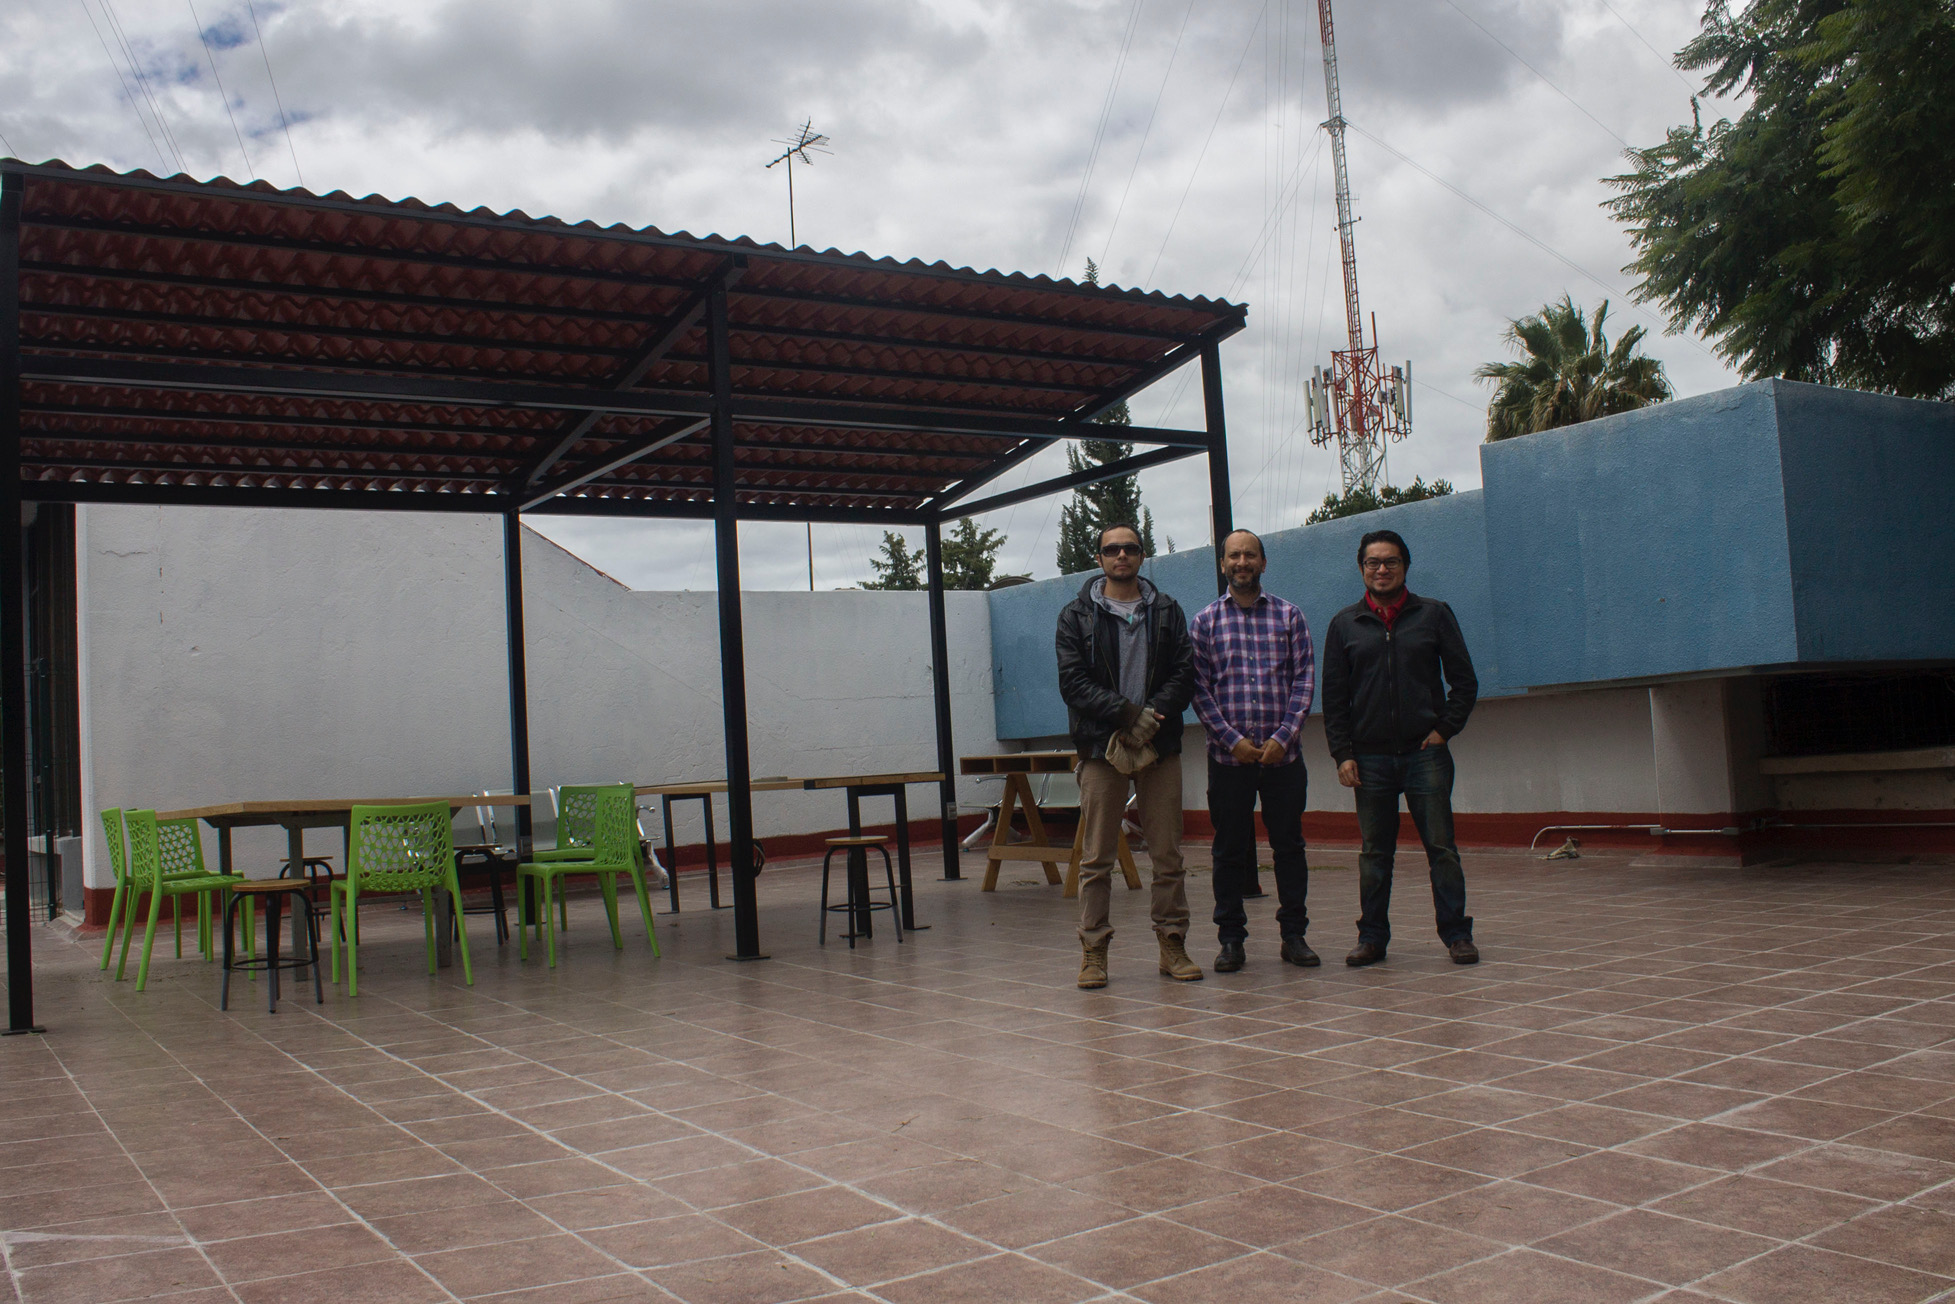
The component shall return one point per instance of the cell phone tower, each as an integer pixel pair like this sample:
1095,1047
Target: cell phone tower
1356,401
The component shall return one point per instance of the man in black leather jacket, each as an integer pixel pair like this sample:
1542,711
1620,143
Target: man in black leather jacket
1388,718
1126,670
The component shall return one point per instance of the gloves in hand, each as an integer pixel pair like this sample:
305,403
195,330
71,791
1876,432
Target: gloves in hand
1142,730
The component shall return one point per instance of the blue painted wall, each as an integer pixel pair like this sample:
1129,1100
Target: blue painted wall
1646,544
1872,528
1770,524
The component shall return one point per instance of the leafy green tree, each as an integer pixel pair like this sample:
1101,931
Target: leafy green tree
971,555
1093,507
1362,500
1568,373
1814,237
899,567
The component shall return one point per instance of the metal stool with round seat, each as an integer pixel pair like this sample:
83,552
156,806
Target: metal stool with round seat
273,891
860,903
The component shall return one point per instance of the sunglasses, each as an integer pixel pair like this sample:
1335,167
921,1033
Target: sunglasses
1120,550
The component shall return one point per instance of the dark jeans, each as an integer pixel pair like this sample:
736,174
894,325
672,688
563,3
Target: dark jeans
1232,793
1426,779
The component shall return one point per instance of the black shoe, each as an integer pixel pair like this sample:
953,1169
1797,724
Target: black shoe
1231,958
1365,953
1297,951
1463,951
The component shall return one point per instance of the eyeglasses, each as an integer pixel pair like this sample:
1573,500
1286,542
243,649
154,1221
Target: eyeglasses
1120,550
1381,563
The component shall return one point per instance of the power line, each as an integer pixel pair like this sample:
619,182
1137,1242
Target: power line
1538,73
7,145
128,95
282,122
1219,109
221,94
1147,131
1661,57
142,82
1532,239
1099,135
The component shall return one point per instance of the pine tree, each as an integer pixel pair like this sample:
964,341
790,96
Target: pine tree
899,567
971,555
1093,507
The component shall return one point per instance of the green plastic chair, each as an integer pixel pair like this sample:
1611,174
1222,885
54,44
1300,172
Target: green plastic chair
122,906
407,848
614,851
576,833
166,860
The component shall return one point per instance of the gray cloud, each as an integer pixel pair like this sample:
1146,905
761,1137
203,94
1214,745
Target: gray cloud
962,129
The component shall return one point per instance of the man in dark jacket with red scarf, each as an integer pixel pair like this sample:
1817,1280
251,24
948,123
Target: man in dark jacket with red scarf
1388,717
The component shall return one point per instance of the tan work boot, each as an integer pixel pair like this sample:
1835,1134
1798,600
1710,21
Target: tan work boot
1092,967
1175,962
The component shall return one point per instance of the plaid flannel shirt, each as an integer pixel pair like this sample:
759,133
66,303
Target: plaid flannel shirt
1255,674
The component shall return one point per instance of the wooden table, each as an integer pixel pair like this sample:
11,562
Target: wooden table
1015,766
296,816
858,786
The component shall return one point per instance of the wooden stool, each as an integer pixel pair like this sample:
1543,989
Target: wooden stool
274,891
860,904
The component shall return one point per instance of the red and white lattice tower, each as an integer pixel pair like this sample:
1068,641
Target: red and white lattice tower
1356,402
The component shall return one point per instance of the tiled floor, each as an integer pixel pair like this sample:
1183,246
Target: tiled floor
1678,1084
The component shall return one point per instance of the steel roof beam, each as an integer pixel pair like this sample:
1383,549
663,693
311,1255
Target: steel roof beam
661,340
619,454
1091,475
60,369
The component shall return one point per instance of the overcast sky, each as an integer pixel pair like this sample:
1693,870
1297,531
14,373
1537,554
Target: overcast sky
963,130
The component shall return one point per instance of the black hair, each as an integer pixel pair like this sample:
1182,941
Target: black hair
1119,525
1385,536
1260,550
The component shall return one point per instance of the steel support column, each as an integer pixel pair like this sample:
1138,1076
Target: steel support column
933,541
733,652
1221,507
13,628
512,605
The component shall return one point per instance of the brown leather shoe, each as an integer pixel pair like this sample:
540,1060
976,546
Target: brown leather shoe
1464,952
1092,967
1365,953
1175,962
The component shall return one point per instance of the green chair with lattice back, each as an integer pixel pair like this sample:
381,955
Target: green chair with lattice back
123,904
614,851
394,849
166,860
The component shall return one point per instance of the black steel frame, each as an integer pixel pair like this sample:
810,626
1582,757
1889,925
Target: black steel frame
533,489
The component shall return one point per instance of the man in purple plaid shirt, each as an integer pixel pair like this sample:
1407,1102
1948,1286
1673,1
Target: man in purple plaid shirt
1255,675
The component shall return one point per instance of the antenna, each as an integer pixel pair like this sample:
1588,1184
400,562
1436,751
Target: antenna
1356,402
805,138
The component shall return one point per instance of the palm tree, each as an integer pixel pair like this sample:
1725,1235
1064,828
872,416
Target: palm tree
1568,373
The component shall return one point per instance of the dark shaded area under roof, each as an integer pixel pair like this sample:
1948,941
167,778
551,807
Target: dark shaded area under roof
205,343
209,342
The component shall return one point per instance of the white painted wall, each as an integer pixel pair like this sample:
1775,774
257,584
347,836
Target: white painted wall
236,655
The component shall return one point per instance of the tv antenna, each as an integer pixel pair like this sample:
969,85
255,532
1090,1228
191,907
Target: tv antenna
805,138
1356,401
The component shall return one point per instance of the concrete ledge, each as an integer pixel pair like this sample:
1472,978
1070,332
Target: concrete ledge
1919,758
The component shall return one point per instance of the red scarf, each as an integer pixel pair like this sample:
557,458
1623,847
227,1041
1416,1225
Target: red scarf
1388,614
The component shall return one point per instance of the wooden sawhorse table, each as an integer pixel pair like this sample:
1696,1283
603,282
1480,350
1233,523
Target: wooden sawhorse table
1015,766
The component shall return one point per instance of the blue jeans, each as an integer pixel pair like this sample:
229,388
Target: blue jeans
1425,777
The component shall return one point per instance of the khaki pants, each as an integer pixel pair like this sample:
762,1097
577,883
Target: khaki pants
1102,799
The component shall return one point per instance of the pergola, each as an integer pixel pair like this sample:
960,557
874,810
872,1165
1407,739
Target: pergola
168,341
